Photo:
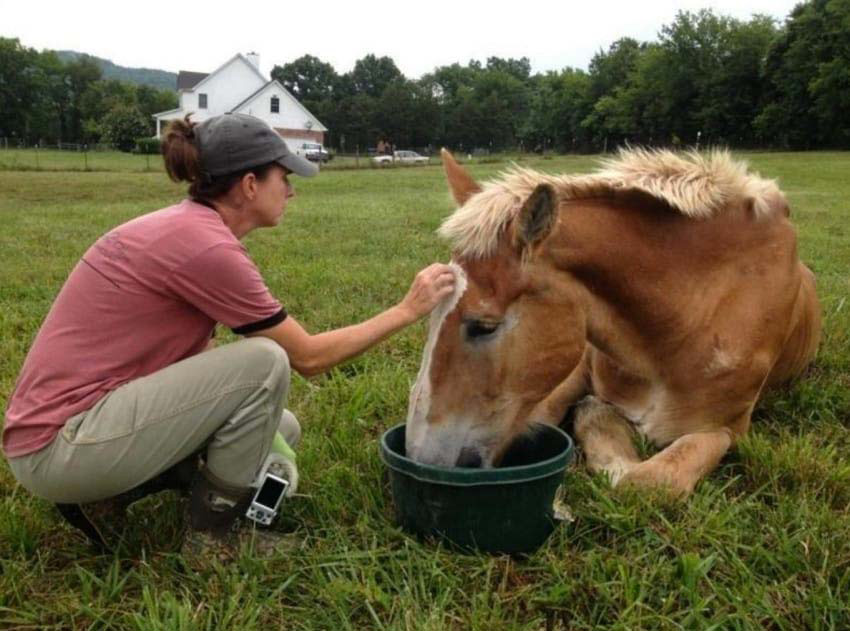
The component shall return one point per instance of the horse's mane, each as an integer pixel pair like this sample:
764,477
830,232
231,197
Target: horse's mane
697,185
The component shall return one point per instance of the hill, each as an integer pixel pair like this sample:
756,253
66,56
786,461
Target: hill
144,76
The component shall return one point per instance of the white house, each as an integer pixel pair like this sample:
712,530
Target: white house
238,86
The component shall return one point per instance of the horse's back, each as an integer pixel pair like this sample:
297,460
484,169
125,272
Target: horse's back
805,332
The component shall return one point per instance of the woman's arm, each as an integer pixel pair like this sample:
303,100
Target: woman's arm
314,354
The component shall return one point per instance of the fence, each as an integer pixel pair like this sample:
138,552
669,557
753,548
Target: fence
67,157
15,156
18,156
102,157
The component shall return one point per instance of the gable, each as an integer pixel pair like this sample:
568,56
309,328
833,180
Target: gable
218,92
291,114
237,65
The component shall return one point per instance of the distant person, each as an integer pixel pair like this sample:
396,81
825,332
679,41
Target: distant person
116,397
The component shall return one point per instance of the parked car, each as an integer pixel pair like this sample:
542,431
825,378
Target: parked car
403,157
314,152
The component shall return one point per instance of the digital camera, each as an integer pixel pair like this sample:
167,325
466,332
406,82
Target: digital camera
263,507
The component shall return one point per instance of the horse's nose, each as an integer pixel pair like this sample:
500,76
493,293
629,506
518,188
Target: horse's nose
469,458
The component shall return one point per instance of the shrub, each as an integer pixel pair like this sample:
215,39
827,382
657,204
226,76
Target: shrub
122,125
147,145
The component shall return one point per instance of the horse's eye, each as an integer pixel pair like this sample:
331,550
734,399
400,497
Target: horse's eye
480,328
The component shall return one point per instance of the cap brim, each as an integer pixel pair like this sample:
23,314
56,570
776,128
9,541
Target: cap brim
298,165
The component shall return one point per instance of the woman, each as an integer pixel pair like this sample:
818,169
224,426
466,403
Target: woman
115,391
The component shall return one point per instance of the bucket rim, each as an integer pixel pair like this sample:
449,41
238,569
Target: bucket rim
455,476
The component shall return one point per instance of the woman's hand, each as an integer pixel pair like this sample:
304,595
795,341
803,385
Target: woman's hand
430,287
314,354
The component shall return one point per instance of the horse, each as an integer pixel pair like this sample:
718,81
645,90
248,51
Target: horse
661,294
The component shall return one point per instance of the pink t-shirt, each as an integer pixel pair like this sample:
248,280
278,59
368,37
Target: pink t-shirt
147,294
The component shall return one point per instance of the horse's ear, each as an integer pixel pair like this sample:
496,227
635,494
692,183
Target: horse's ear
536,217
460,182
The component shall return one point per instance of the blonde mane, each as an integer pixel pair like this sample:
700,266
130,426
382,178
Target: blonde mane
697,185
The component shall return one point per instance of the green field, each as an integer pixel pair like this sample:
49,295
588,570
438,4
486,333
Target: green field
66,160
764,543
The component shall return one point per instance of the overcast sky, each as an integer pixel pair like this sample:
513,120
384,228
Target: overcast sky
417,35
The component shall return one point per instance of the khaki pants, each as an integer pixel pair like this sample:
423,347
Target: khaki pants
229,400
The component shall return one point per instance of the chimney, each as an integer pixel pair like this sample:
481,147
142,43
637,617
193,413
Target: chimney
254,58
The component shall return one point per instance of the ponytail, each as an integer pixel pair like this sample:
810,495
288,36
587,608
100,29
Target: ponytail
182,160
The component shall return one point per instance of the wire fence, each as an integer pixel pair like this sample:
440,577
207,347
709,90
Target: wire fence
103,157
66,156
15,156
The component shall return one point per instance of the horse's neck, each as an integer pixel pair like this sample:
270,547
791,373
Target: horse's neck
639,270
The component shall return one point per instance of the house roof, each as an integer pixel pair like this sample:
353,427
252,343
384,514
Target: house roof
279,85
253,94
174,111
187,80
227,63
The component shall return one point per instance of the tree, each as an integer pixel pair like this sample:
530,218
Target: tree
308,79
612,69
703,78
371,75
81,73
732,95
807,100
123,125
406,114
610,113
21,87
151,101
520,69
50,116
446,81
101,98
502,107
356,116
559,103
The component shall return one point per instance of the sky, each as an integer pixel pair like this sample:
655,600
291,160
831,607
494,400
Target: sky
418,36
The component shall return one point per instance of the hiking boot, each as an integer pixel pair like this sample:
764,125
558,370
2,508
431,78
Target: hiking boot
104,522
217,528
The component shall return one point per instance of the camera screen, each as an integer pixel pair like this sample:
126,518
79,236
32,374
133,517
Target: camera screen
270,492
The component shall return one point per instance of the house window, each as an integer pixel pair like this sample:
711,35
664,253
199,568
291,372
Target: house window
275,105
202,101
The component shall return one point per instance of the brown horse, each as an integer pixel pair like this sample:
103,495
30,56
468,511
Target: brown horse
665,286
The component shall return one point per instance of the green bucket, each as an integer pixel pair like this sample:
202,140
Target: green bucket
502,510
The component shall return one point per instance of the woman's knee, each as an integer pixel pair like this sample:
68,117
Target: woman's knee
289,428
268,356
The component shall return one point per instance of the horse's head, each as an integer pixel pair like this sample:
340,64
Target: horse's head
507,338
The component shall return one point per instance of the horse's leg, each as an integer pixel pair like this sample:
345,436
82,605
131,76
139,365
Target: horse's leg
552,409
683,463
606,438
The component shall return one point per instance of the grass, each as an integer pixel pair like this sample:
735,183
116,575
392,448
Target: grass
56,160
764,543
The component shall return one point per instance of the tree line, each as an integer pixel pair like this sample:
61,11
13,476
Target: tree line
45,99
707,79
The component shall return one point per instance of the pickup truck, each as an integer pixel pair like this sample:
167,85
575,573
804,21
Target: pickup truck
313,151
401,157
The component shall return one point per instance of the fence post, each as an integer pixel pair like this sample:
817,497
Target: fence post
357,157
36,157
86,157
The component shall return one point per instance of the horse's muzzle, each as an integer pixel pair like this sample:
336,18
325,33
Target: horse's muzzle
469,458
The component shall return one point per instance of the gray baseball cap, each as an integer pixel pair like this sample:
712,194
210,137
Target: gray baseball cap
233,142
